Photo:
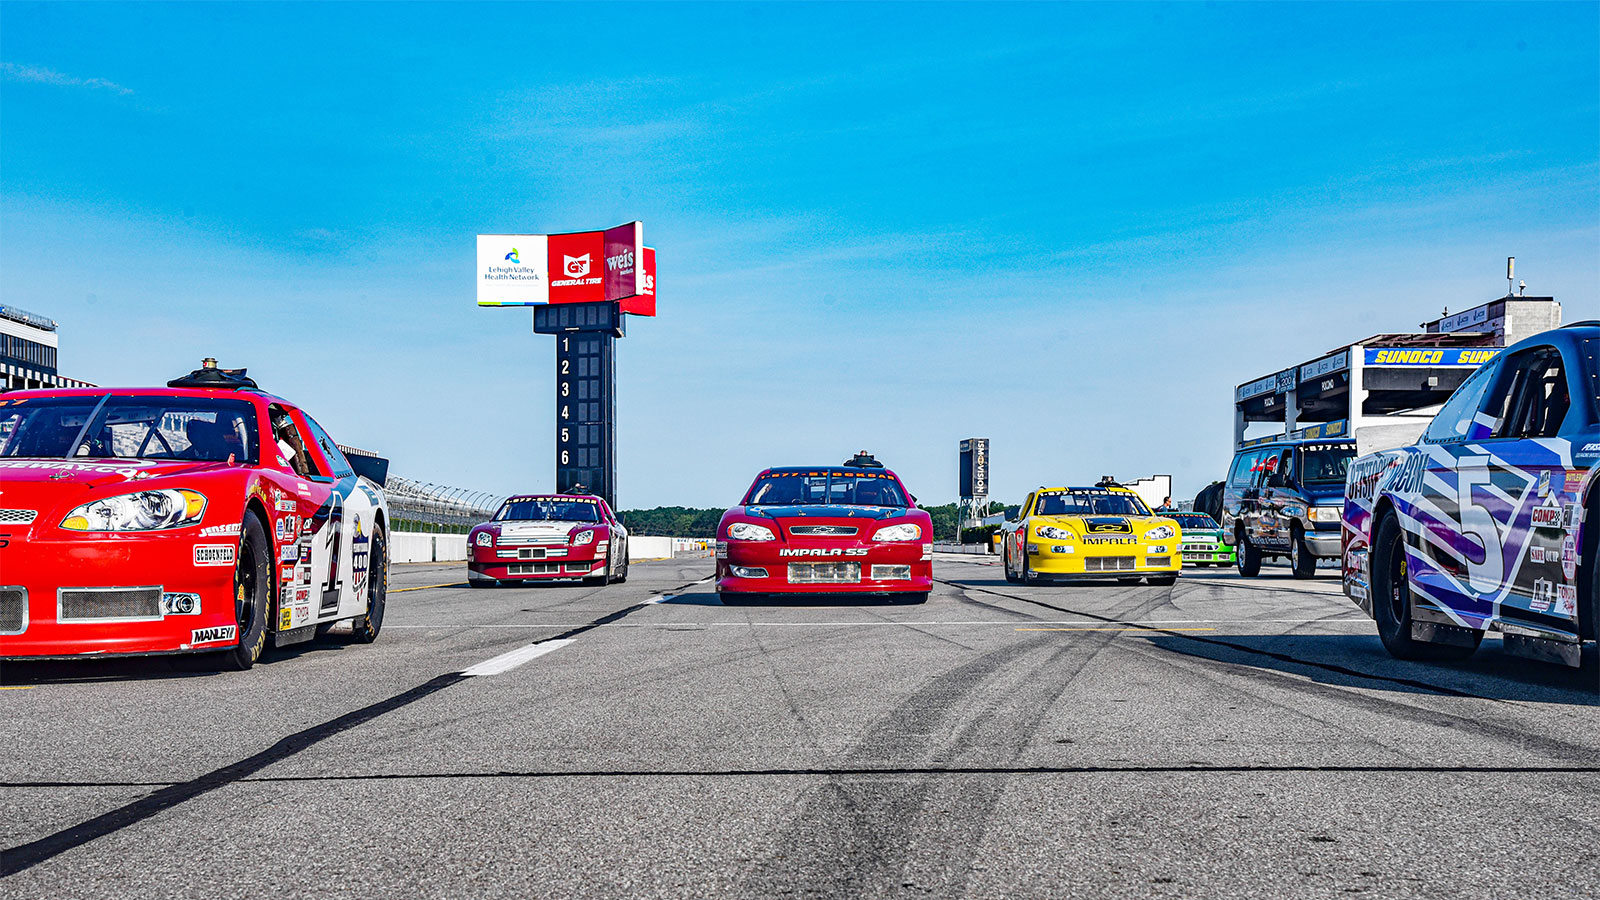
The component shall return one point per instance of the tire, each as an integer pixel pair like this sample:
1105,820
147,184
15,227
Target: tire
601,580
1302,564
252,596
1391,600
1248,557
623,577
1010,578
1023,576
365,628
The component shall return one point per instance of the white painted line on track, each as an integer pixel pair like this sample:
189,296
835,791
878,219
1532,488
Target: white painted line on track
505,662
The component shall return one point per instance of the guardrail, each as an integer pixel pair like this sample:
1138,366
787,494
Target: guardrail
434,508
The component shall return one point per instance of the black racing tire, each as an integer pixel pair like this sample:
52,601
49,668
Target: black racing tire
1006,566
364,630
1391,600
1302,564
253,590
623,575
1248,557
1589,574
1023,575
601,580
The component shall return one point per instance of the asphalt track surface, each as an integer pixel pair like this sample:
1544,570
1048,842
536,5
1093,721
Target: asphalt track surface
1219,738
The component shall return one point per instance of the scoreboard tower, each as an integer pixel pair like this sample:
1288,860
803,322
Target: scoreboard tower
581,286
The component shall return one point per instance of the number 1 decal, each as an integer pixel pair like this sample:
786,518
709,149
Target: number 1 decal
331,587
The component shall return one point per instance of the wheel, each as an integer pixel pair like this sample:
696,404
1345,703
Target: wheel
623,575
601,580
1391,599
252,596
1248,557
366,628
1023,575
1163,580
1301,563
1010,578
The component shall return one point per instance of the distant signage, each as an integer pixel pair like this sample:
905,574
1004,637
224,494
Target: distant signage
1323,430
974,468
1430,356
1461,321
579,267
1286,382
1326,365
643,302
1258,387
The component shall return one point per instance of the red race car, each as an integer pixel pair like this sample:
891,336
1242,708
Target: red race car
847,529
541,537
207,516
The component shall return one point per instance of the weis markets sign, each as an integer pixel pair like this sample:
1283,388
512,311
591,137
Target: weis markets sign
580,267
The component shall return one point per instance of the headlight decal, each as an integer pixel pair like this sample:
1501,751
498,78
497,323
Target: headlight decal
583,537
142,511
1050,532
1160,533
749,531
905,531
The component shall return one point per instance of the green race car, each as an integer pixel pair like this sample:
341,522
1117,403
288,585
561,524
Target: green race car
1203,543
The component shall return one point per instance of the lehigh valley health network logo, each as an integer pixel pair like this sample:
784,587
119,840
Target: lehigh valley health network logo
575,266
513,256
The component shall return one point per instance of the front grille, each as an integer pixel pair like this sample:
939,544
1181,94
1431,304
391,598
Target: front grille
86,604
535,569
515,541
824,530
825,573
1199,548
579,568
1158,560
530,552
17,516
891,573
13,610
1107,563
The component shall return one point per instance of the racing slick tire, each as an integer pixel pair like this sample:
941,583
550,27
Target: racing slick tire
365,628
1248,557
1302,563
1024,576
252,596
623,575
1391,600
601,580
1006,566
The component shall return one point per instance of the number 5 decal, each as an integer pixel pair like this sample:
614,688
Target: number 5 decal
1479,526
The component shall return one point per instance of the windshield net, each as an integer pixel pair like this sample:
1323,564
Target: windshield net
548,509
1091,503
826,487
1325,465
197,429
1201,522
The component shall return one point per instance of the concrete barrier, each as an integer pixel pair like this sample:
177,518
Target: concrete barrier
411,546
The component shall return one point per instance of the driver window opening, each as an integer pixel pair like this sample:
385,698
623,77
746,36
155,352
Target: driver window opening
291,445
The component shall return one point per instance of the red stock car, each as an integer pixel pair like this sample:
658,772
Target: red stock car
543,537
207,516
847,529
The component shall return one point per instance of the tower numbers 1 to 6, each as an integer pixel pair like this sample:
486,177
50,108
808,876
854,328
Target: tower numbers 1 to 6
585,412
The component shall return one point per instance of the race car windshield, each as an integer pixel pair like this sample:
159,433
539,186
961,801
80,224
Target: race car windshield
1325,465
548,510
825,488
195,429
1091,503
1196,521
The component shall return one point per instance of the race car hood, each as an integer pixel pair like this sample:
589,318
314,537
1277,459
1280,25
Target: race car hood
1106,525
48,488
540,529
819,513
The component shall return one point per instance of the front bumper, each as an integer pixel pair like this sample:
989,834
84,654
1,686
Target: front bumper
46,609
1056,559
536,562
1324,544
764,567
1207,552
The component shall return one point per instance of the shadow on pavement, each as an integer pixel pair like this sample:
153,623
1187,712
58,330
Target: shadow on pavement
711,598
17,673
1360,661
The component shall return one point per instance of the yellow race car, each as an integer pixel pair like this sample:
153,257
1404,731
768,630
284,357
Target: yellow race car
1104,531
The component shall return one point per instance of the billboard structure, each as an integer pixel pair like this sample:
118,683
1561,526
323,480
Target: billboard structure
974,487
580,285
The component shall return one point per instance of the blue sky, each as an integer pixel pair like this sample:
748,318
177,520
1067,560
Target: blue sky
1070,228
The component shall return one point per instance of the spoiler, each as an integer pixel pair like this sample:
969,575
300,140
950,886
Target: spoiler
373,468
